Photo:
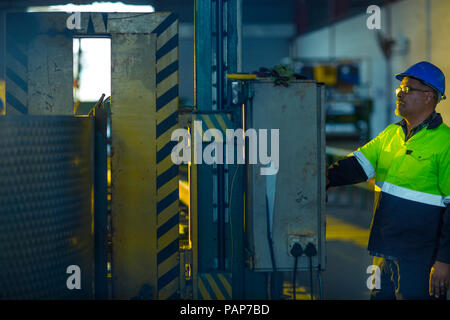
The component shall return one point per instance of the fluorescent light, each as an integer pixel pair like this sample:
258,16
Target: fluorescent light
94,7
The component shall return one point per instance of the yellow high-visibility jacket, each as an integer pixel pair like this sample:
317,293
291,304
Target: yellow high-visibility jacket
411,213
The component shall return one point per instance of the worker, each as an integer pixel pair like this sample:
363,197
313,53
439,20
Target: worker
409,161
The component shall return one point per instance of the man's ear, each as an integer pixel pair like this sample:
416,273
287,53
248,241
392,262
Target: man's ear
431,98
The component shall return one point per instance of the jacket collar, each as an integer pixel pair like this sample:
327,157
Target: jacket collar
433,121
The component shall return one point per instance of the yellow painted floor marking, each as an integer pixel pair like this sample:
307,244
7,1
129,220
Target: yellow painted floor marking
339,230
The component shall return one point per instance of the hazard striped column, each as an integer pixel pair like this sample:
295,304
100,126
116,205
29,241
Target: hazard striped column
2,97
16,91
168,265
211,285
215,286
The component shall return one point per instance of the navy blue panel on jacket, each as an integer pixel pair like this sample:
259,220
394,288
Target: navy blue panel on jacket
405,229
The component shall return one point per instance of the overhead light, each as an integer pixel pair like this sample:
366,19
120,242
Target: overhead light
94,7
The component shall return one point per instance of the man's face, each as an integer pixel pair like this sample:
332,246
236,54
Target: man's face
413,103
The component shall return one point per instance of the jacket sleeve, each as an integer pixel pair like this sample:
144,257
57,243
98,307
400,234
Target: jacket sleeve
345,171
357,167
443,253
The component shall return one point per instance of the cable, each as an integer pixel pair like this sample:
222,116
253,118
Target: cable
296,251
310,251
269,238
311,278
319,278
229,211
294,280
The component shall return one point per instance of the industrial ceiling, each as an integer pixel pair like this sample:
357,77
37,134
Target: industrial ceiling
307,15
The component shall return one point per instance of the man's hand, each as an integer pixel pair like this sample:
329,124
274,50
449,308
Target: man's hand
439,278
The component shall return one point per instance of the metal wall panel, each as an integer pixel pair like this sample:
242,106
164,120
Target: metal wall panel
50,75
298,113
133,129
46,206
39,64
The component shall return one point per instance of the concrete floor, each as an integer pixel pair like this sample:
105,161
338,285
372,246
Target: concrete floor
349,213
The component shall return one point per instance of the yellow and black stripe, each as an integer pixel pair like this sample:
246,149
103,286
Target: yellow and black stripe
2,97
16,71
220,121
168,264
214,286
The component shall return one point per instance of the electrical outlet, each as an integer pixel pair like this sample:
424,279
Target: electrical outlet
303,240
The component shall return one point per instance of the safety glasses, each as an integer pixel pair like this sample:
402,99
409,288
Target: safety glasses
408,89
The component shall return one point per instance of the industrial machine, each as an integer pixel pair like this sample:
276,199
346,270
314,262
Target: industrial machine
46,214
205,230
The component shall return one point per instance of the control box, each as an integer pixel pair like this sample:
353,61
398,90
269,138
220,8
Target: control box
288,206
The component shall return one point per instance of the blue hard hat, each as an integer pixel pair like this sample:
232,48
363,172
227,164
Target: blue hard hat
429,74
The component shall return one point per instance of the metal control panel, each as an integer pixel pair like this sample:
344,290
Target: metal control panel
289,206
